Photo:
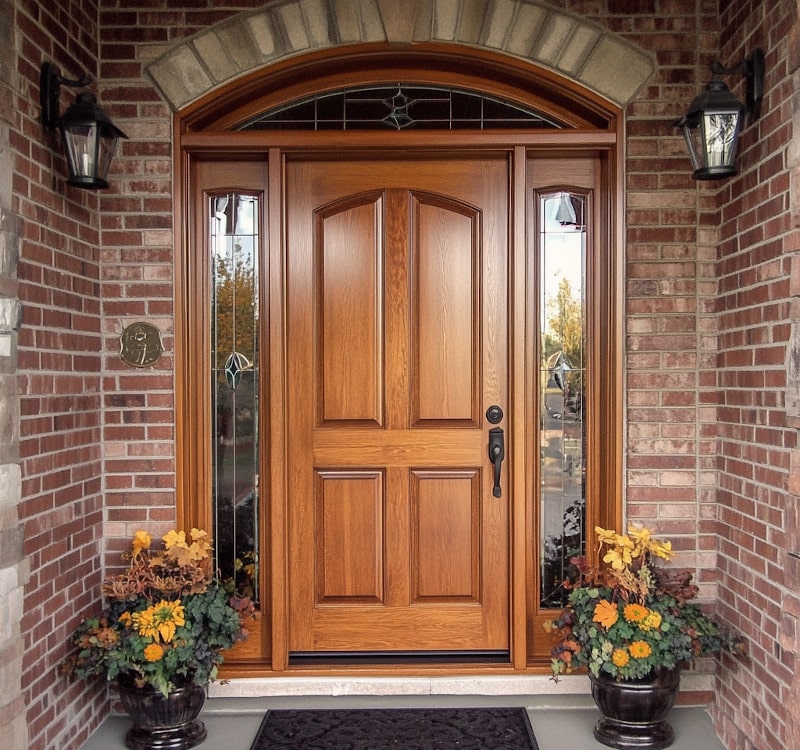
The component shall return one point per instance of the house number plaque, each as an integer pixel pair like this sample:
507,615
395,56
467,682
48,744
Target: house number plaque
140,345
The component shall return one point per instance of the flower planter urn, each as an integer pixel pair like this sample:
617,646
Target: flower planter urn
162,722
634,711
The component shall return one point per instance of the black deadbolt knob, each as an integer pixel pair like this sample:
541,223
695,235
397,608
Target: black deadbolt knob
494,414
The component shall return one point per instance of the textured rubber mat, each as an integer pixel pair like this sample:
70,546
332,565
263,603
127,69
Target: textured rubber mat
411,729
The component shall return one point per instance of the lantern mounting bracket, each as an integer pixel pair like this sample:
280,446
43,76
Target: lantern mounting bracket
752,68
50,83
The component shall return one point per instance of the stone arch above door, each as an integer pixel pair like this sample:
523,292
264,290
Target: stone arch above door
532,31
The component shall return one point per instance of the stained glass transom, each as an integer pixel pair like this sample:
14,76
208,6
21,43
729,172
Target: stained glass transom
400,107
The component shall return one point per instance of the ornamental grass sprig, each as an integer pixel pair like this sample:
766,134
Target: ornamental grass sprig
182,567
167,618
630,617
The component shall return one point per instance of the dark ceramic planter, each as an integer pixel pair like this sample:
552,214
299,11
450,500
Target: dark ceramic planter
634,712
163,723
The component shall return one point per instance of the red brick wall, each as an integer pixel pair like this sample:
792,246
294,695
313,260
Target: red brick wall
708,324
670,252
701,411
757,241
59,362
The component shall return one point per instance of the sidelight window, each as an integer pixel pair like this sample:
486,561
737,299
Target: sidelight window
562,384
234,244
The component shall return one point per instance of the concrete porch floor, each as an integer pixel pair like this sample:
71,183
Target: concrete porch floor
559,722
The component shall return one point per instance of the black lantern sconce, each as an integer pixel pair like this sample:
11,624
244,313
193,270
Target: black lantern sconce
715,118
88,135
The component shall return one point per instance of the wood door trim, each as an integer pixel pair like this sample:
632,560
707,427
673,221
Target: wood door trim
521,454
274,536
370,141
366,64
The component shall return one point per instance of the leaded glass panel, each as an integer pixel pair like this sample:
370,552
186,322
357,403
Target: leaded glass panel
562,378
234,244
399,107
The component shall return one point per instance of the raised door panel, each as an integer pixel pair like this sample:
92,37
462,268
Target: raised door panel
446,324
349,300
349,541
446,543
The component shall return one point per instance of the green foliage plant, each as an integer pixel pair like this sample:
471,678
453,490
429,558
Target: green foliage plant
167,619
631,618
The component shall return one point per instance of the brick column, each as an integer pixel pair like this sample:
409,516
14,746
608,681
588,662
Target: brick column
790,606
13,565
790,625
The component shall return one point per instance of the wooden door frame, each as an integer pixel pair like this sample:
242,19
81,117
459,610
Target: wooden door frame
269,651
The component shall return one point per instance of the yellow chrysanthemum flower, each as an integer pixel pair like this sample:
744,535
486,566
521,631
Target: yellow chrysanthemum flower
143,621
620,657
125,619
153,652
160,620
651,622
640,649
635,612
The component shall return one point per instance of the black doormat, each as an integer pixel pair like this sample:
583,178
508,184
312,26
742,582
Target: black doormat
397,728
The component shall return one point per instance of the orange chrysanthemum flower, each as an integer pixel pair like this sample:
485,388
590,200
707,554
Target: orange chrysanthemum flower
605,613
635,612
620,657
153,652
640,649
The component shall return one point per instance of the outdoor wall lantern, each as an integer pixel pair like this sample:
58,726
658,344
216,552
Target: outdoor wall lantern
712,125
87,133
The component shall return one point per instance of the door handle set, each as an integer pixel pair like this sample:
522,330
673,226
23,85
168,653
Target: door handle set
496,447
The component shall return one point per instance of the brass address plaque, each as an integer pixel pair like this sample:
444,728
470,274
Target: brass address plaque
140,345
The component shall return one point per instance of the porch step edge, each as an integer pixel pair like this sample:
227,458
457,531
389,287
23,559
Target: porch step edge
538,690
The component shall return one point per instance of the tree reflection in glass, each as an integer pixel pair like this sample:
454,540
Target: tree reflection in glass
235,373
562,261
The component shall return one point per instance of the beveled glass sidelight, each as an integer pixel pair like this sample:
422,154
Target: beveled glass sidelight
234,245
561,248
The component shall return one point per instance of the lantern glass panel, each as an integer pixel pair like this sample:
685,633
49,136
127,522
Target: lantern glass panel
80,143
89,148
105,152
720,135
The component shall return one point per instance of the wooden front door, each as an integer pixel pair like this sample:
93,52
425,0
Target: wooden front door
397,335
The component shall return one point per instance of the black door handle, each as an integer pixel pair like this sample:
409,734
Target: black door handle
497,453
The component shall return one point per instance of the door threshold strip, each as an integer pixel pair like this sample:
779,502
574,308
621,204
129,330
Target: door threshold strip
359,658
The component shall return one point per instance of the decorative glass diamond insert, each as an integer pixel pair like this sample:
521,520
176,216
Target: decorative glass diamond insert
235,365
